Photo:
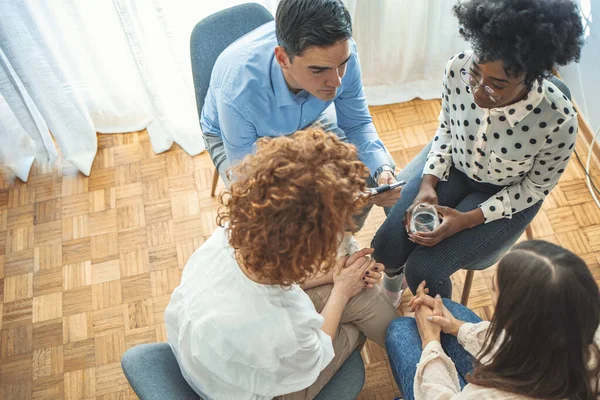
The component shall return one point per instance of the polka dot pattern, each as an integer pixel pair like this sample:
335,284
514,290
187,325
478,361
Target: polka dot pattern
530,139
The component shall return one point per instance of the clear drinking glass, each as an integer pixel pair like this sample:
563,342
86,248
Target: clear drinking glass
424,218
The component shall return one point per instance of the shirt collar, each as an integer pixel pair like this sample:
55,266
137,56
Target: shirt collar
516,112
283,96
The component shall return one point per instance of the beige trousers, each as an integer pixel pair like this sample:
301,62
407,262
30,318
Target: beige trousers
367,314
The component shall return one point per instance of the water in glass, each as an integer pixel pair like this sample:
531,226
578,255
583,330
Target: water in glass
424,218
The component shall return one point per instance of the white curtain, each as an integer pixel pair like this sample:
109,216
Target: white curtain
404,46
77,67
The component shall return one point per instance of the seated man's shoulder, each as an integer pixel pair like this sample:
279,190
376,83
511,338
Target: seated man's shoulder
245,64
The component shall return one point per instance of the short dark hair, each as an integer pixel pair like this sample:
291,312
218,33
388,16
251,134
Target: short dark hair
304,23
541,338
529,36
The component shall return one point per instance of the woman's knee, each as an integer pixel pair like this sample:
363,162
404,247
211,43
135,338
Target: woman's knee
401,331
426,265
461,312
417,271
390,245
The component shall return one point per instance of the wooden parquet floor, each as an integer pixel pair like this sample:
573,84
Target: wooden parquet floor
87,264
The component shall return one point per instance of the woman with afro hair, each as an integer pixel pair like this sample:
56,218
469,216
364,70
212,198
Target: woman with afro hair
505,136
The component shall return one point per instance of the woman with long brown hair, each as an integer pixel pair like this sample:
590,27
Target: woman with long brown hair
265,308
541,343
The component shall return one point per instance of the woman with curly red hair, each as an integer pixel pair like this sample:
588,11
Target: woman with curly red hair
260,313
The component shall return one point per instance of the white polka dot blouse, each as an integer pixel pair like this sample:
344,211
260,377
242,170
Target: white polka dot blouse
524,147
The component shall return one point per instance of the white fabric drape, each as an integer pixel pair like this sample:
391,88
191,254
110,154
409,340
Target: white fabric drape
77,67
404,46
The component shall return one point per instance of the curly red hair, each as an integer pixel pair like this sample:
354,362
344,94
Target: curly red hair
290,202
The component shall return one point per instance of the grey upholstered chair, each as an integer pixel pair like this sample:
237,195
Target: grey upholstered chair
214,34
153,373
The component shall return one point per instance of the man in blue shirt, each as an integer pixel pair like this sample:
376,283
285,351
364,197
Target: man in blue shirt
282,77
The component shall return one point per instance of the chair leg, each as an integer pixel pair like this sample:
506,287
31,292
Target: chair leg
529,232
467,288
214,183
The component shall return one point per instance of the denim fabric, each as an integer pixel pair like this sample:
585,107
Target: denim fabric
476,248
404,348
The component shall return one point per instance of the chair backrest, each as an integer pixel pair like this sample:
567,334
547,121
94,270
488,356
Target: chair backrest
153,373
560,85
214,34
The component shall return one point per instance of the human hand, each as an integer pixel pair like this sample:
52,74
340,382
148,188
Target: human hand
447,321
389,198
350,279
453,221
428,330
422,290
373,275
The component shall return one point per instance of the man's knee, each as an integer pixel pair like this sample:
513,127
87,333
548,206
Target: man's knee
415,166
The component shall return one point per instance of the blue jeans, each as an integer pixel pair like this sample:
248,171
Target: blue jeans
404,348
476,248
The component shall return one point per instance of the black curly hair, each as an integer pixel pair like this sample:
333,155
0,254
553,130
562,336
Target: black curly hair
529,36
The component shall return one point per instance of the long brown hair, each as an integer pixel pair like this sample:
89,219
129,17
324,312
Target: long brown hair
290,202
541,336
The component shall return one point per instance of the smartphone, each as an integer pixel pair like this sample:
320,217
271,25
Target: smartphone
386,187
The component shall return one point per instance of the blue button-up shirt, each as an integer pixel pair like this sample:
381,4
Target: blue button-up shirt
248,98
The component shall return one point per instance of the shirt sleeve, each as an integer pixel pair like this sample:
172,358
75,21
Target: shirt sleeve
238,133
472,336
354,118
436,376
313,352
439,159
548,166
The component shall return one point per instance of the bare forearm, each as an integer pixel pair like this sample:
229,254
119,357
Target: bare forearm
429,339
318,281
456,327
332,312
429,180
471,219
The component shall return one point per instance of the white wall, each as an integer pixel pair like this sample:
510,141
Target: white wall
583,78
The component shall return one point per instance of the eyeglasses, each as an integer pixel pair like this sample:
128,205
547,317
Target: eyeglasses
473,83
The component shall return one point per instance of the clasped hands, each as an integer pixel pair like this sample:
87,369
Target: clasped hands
431,316
373,271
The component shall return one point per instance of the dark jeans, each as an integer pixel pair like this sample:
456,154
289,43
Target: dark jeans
476,248
216,150
404,348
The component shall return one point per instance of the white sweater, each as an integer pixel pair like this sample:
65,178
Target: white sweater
238,339
437,378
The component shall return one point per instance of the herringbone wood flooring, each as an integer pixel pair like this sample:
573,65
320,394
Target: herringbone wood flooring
87,265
